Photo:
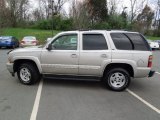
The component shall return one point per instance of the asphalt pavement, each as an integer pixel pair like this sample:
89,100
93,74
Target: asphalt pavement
78,100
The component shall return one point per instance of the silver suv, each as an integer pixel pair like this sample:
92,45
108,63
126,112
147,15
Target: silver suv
110,56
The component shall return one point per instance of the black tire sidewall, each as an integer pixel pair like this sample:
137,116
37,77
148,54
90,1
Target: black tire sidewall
33,72
122,71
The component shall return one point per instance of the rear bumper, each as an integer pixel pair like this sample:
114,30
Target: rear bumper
27,45
142,72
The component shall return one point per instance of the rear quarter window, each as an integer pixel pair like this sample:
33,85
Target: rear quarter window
121,41
130,41
139,42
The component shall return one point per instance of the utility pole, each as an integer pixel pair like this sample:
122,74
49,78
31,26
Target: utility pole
2,7
158,14
52,5
52,13
52,2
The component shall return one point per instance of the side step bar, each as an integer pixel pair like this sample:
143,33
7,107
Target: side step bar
72,77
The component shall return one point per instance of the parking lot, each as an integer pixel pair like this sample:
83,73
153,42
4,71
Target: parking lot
78,100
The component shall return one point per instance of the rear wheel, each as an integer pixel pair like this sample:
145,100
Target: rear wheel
117,79
28,74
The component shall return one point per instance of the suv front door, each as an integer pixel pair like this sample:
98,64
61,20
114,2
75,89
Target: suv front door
63,58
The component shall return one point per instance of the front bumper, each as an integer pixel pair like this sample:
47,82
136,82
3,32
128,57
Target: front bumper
10,68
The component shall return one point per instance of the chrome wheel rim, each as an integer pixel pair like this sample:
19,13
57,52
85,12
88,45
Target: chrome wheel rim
117,80
25,74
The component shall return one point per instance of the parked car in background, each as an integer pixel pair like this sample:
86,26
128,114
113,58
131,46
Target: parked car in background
29,41
153,44
158,41
9,42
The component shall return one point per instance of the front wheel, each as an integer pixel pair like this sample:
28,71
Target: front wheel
28,74
117,79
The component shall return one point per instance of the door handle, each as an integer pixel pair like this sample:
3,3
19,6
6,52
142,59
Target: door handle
104,56
74,55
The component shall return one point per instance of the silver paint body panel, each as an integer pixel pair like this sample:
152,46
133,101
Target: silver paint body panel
82,62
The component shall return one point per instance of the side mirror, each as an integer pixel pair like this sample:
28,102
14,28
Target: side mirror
49,47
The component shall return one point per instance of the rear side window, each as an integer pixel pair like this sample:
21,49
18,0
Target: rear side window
138,41
94,42
121,41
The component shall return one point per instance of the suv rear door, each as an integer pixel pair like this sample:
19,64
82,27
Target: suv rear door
94,53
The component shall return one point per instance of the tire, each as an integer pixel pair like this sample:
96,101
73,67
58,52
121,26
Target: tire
28,74
117,79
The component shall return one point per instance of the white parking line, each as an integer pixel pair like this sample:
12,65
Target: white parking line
157,73
36,102
144,101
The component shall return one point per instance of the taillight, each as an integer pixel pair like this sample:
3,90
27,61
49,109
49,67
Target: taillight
150,61
22,42
34,42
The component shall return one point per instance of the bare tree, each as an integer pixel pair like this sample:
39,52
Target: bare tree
144,20
157,15
18,9
58,4
112,6
36,15
78,12
2,7
48,8
136,7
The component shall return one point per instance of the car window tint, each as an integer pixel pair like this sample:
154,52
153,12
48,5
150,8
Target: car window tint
94,42
65,42
138,41
121,41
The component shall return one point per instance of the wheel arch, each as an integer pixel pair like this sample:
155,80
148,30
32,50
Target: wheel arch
18,62
125,66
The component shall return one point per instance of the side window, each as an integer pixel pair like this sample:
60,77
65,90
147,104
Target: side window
94,42
138,41
65,42
121,41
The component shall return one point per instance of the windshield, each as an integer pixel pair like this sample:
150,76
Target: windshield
29,38
5,38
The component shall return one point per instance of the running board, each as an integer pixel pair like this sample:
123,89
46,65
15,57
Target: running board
72,77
